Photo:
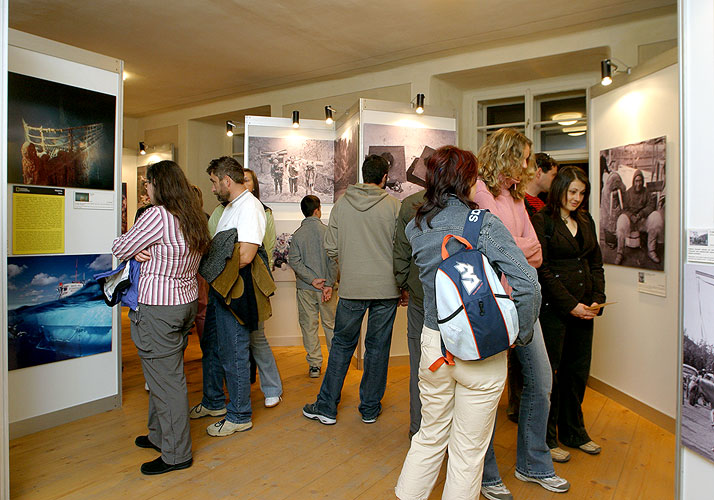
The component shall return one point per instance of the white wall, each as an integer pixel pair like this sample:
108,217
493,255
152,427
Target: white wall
636,339
697,74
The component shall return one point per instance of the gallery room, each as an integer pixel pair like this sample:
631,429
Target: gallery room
328,103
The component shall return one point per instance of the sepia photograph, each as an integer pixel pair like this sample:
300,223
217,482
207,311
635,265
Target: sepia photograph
346,159
698,360
405,148
288,168
56,311
59,135
632,204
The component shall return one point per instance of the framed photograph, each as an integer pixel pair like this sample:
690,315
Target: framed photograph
59,135
346,159
633,203
56,309
284,230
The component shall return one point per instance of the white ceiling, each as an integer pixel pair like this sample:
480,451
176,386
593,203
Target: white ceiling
187,51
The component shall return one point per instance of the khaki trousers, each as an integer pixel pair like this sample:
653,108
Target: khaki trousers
309,303
458,411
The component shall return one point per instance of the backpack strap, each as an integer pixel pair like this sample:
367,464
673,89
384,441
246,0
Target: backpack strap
472,226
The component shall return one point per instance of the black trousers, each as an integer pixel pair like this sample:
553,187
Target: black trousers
569,343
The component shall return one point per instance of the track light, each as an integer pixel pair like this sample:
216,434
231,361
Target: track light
229,128
142,148
419,104
296,119
608,68
329,110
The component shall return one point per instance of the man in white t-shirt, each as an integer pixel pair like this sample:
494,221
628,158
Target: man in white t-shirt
226,342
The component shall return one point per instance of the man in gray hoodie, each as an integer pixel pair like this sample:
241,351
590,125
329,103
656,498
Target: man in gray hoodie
359,237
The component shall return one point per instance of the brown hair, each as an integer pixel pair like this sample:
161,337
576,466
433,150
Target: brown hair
173,192
449,171
256,187
501,157
559,189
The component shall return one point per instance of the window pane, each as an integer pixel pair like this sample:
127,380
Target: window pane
505,113
567,135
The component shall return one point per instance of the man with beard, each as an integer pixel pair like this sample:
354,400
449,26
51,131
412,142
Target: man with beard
640,215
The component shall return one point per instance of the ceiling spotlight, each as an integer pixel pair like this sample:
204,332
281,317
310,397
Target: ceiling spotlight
229,128
329,119
419,103
567,118
296,119
608,68
142,148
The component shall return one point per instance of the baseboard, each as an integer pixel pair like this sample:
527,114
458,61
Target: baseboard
655,416
59,417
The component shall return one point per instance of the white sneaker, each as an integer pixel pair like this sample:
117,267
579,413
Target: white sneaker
555,484
559,455
272,402
200,411
226,428
496,492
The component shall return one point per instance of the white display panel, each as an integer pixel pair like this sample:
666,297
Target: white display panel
46,388
635,339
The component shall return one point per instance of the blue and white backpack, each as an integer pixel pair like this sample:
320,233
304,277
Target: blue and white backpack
476,317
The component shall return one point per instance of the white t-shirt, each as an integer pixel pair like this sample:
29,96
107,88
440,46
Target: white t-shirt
247,215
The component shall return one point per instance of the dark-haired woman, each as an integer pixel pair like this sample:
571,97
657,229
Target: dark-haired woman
260,352
168,239
573,284
458,402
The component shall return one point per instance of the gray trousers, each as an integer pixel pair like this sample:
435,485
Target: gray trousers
160,334
415,324
309,303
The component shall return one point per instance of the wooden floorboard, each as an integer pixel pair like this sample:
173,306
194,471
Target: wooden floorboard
286,456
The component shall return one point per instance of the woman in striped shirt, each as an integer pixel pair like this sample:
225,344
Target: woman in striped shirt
169,239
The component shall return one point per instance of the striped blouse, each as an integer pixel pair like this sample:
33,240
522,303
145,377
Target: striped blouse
169,277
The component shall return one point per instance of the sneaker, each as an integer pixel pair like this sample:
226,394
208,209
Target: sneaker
311,412
554,483
591,448
653,257
314,372
200,411
496,492
226,428
273,402
372,419
559,455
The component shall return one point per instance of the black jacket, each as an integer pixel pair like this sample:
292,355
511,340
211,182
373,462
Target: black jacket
569,274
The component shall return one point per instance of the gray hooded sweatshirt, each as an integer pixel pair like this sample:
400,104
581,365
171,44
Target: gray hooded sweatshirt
359,237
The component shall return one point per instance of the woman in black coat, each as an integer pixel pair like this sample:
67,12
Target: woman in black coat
573,285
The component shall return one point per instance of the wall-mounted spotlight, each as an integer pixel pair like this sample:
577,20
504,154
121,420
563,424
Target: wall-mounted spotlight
419,108
329,115
142,148
296,119
229,128
608,68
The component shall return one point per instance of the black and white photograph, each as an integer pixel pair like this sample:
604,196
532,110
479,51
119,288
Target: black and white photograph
698,238
59,135
698,360
632,204
284,230
346,159
405,148
56,310
288,168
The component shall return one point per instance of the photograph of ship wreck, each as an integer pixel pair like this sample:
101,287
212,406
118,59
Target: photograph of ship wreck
59,135
56,310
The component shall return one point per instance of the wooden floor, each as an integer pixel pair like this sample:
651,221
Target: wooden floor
286,456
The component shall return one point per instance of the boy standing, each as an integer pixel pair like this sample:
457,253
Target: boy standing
316,274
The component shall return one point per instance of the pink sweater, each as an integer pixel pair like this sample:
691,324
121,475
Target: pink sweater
513,214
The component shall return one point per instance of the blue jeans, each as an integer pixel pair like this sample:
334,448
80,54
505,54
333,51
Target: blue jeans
377,341
225,344
270,382
532,454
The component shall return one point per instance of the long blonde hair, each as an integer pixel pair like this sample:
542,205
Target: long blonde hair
502,157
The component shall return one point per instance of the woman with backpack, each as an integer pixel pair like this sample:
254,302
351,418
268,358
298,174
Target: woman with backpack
506,168
459,401
573,284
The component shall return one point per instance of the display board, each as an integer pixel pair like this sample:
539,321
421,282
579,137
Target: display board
63,211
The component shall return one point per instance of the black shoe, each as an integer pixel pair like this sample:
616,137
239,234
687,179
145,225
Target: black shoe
143,442
158,466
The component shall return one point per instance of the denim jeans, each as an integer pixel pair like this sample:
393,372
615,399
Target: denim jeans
270,382
532,454
378,340
226,346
